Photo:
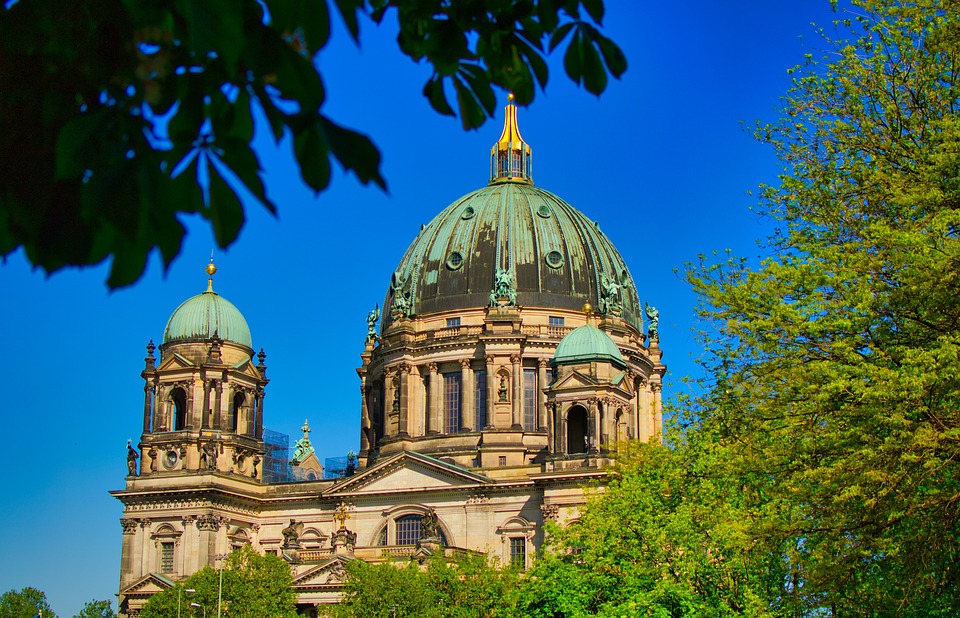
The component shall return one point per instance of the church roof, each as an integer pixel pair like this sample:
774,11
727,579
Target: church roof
201,317
586,344
552,254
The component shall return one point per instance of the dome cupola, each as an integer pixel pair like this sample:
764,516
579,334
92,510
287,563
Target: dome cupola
587,344
201,317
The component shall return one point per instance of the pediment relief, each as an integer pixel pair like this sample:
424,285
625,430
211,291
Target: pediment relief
175,361
405,471
149,584
574,379
330,573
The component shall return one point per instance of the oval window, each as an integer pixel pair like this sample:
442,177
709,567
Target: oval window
468,213
554,259
454,260
544,211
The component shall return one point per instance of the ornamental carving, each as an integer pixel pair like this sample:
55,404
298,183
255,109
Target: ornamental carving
129,526
610,302
550,511
209,523
504,292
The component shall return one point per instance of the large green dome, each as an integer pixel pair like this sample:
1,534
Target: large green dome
200,317
586,344
557,257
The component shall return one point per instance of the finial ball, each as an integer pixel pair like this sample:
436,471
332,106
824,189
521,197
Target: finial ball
211,268
510,97
587,308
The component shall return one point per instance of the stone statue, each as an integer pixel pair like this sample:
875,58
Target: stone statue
131,460
654,316
609,295
154,458
291,534
372,318
395,407
430,526
502,392
504,292
401,305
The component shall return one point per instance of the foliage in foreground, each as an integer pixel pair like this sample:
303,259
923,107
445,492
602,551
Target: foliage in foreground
464,587
96,609
119,117
836,361
24,603
253,586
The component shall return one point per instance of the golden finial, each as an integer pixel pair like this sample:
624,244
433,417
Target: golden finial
510,157
587,308
341,515
211,271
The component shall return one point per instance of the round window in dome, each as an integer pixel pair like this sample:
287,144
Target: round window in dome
554,259
454,260
468,213
544,211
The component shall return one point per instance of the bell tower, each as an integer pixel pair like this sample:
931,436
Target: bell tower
203,400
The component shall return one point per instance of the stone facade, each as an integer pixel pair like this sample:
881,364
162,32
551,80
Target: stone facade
473,432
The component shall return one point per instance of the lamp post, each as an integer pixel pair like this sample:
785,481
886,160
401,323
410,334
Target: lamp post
203,607
221,558
179,594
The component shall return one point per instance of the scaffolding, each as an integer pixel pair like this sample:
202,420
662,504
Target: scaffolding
276,458
338,467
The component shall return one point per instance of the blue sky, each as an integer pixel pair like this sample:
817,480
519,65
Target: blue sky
661,161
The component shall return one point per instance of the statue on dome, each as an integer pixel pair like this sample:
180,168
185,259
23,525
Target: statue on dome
372,318
654,316
609,295
504,292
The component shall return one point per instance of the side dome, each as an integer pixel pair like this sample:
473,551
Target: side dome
587,344
201,317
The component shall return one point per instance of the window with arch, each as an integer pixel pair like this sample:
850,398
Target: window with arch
452,401
179,399
238,401
405,530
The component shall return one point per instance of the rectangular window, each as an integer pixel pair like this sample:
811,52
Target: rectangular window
480,399
452,322
555,320
502,460
451,401
518,551
166,557
530,399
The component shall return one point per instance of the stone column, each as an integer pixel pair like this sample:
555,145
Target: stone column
258,428
517,403
593,427
491,392
217,404
208,525
541,396
147,407
402,423
127,550
467,422
433,426
657,410
193,414
364,417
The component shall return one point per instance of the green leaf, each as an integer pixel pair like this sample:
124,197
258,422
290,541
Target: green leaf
215,26
313,156
224,210
557,37
613,56
594,9
348,11
242,161
434,92
355,152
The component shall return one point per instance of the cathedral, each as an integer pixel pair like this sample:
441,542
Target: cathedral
513,356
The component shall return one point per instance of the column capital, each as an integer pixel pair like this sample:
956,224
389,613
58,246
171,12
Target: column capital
542,363
515,359
465,363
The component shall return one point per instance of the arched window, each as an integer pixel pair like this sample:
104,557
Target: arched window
577,430
238,400
179,399
405,530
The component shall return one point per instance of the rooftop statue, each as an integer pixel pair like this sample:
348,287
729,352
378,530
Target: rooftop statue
372,318
504,292
654,316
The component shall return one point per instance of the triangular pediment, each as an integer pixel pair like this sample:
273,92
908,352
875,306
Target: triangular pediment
405,471
149,584
574,379
330,573
175,361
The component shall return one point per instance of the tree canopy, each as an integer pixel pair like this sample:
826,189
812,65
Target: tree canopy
253,586
24,603
119,117
97,609
835,362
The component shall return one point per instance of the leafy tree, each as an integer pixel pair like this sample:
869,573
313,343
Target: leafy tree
24,603
666,537
465,586
253,586
97,609
121,116
836,361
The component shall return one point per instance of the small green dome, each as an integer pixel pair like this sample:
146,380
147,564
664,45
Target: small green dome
206,314
587,344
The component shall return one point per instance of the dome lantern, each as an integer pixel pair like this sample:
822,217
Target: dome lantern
205,316
511,158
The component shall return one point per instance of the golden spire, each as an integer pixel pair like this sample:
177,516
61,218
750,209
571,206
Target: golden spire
211,271
510,157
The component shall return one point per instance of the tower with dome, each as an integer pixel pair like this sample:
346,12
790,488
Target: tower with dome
512,359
